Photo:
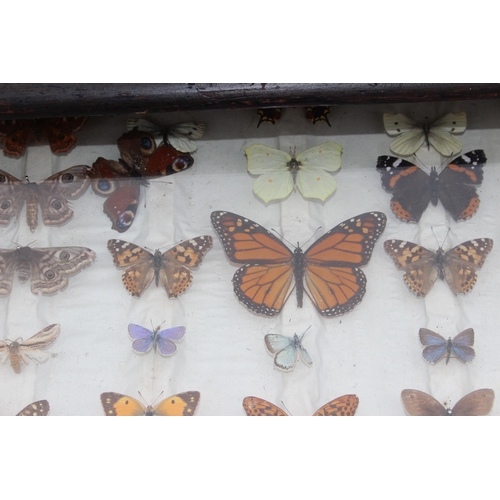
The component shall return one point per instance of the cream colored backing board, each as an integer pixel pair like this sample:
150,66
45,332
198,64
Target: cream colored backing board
373,351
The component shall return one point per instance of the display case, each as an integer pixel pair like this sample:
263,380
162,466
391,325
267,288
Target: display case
219,244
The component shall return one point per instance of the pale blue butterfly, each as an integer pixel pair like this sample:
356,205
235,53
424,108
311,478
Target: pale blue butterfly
286,349
437,346
144,338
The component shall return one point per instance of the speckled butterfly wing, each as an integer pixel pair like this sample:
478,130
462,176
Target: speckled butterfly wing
171,269
476,403
422,267
343,406
257,407
461,346
24,350
182,404
48,269
12,197
327,271
37,409
16,135
61,132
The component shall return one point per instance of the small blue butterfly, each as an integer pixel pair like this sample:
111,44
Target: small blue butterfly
438,346
144,338
285,349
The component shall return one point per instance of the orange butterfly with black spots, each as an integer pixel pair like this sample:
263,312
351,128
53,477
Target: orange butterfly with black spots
327,271
343,406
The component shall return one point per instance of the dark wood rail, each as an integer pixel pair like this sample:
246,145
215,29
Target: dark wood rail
46,100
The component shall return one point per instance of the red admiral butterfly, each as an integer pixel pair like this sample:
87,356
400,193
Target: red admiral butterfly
413,189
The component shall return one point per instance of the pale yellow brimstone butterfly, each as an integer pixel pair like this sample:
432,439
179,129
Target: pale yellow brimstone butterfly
280,172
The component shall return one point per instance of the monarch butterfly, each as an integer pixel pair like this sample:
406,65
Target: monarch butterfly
326,271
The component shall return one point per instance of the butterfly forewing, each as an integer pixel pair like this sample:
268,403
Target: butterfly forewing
476,403
343,406
37,409
257,407
436,345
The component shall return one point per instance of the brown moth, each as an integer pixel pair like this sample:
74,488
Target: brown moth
48,268
23,350
52,195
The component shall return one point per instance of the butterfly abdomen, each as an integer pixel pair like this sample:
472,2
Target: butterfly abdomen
32,210
157,263
23,263
294,167
434,184
441,263
15,358
449,347
299,265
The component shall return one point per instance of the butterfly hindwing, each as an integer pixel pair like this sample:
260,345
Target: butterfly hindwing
327,270
37,409
257,407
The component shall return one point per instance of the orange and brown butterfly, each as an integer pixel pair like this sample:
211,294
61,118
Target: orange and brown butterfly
183,404
318,114
60,133
476,403
36,409
327,271
170,268
343,406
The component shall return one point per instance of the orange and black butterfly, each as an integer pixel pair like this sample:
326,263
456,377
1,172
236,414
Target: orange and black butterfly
343,406
327,271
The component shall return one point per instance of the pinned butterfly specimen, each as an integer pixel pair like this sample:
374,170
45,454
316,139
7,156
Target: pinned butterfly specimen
178,405
280,172
269,115
437,347
161,339
48,268
285,350
111,179
24,350
37,409
413,188
170,268
318,114
143,159
476,403
327,271
422,267
343,406
180,136
413,134
52,195
60,133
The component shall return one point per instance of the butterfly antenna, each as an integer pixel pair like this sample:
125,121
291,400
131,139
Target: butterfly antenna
284,406
448,232
157,398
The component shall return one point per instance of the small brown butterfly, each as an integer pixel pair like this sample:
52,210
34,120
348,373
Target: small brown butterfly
59,132
343,406
183,404
25,350
169,268
422,267
36,409
418,403
48,268
51,194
